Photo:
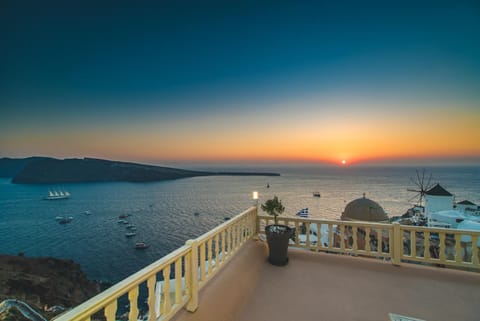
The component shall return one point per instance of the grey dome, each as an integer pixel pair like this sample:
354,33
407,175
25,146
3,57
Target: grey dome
364,209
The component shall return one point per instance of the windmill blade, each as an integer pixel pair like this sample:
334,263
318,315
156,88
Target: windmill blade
429,184
419,181
413,198
414,182
423,179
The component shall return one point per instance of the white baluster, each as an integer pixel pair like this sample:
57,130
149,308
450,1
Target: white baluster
167,305
110,311
202,262
210,262
151,296
133,299
178,281
367,240
217,244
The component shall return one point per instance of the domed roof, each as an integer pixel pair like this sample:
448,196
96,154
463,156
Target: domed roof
364,209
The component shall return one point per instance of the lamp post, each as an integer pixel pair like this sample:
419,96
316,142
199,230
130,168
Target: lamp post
256,224
255,198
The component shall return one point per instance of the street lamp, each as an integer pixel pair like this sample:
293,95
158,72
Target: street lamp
255,198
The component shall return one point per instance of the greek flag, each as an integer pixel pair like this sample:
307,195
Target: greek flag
303,212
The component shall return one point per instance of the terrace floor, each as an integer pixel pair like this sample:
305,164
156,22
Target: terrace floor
320,286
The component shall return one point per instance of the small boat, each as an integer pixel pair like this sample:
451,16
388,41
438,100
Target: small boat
57,195
64,219
131,227
268,185
316,194
141,245
87,213
122,216
226,218
130,234
122,221
196,213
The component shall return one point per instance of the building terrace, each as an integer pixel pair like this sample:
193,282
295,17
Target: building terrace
224,275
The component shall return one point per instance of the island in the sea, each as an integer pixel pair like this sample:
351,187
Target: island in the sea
46,170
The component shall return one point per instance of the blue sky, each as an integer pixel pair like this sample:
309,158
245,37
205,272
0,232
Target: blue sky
115,65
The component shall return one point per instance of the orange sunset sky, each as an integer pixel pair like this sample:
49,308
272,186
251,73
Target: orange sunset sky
252,83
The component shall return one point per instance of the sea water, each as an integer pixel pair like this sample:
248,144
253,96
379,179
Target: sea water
168,213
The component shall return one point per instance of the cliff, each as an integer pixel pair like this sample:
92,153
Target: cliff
50,170
44,282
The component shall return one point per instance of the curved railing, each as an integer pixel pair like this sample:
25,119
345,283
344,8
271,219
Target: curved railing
449,247
174,281
187,270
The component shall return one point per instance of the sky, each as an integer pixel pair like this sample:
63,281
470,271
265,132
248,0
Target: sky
169,82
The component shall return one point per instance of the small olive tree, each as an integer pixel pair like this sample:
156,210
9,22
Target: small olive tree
273,207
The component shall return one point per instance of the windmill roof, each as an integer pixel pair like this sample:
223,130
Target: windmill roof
438,190
466,202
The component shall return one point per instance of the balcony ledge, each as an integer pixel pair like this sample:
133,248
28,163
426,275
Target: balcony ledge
322,286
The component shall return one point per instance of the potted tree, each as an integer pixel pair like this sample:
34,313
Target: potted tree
277,235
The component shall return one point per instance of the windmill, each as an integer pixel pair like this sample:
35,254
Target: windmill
423,184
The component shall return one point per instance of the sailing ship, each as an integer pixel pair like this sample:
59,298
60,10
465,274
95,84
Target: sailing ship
57,195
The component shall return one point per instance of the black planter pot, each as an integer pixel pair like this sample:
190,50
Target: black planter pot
277,238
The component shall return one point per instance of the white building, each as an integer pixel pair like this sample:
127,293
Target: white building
466,206
437,199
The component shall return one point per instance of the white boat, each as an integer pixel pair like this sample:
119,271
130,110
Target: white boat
141,245
57,195
130,234
64,219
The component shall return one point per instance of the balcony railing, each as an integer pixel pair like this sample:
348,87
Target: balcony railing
174,281
399,243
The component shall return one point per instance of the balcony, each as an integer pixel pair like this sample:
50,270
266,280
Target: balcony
224,275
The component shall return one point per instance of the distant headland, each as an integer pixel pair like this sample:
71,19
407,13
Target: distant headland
46,170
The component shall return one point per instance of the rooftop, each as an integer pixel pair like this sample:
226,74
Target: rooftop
466,202
322,286
438,190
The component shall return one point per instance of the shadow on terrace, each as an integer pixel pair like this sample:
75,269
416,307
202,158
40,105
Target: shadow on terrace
224,275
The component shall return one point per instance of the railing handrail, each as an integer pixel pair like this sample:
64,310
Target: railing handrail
222,226
95,304
440,230
371,224
327,221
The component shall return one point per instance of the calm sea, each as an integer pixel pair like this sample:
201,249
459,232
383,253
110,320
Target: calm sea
164,212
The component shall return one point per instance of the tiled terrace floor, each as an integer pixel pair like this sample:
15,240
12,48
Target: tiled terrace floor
329,287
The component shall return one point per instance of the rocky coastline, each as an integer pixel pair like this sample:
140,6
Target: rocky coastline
47,284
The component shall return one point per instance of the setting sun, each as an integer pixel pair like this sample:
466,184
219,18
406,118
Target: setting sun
344,162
